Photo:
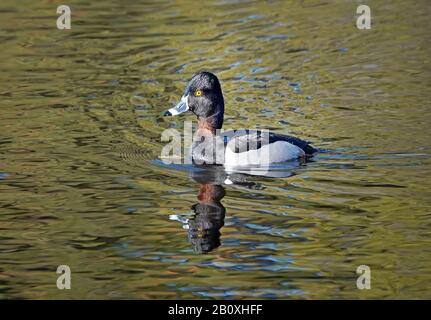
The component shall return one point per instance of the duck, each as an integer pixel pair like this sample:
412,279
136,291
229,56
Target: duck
232,148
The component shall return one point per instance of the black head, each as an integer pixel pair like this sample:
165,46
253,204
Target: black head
203,97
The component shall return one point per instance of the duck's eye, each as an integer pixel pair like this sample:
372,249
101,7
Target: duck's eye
198,93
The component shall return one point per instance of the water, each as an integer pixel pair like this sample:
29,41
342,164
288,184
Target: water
80,127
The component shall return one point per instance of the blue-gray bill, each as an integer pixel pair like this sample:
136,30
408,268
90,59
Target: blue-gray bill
181,107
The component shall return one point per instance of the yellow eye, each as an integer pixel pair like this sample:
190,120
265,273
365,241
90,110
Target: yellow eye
198,93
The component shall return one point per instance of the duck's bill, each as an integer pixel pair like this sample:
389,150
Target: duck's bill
181,107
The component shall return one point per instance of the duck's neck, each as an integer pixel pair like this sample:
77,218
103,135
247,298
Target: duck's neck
209,125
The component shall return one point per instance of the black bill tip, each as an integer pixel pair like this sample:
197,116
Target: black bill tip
167,114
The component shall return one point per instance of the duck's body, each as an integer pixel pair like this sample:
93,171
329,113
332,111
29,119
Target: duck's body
211,145
250,147
264,148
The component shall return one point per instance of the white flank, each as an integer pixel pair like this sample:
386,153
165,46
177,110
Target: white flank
278,151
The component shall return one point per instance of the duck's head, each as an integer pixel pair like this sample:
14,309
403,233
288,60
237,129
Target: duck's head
203,97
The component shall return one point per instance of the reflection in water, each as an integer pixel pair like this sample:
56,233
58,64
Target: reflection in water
204,227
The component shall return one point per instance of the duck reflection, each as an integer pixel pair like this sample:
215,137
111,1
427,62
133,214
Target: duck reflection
209,213
204,227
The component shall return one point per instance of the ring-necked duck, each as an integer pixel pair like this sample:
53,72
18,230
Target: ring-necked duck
203,96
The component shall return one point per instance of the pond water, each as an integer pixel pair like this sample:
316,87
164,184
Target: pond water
81,183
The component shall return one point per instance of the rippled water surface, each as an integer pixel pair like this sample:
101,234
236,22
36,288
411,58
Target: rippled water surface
80,128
